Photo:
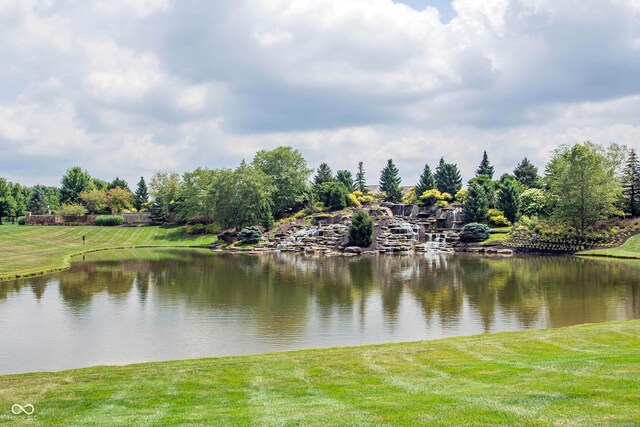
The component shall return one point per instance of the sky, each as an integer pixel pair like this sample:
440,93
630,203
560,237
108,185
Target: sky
130,87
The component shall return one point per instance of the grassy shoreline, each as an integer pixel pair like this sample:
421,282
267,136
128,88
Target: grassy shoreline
581,375
38,250
630,249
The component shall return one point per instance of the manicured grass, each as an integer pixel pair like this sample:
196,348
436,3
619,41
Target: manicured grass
584,375
629,249
31,250
498,235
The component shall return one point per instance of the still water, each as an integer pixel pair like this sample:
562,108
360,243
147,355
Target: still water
120,307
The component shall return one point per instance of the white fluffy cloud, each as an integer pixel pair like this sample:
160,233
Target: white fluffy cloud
125,87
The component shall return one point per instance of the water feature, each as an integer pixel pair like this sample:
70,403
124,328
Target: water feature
127,306
406,228
299,236
436,242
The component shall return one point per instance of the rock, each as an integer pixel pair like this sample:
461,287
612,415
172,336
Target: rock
353,250
505,252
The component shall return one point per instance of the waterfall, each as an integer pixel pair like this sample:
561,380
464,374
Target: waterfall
298,237
436,242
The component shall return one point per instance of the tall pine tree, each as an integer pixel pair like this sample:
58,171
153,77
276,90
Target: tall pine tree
476,205
141,196
390,182
345,177
631,184
526,173
324,174
447,177
426,182
361,182
38,203
485,167
509,200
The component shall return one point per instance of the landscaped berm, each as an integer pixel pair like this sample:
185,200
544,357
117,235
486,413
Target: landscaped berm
584,375
35,250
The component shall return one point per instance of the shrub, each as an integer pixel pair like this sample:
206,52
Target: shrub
21,220
460,195
474,232
497,218
109,220
72,209
361,230
430,197
333,195
410,197
362,198
250,235
442,204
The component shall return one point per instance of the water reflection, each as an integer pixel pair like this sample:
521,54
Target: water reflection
158,304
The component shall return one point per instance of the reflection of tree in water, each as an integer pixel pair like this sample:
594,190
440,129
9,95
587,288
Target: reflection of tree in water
278,290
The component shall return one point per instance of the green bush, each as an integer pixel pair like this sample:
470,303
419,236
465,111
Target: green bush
72,209
497,218
109,220
250,235
21,220
361,230
474,232
334,195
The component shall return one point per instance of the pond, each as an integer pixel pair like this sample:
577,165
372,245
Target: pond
127,306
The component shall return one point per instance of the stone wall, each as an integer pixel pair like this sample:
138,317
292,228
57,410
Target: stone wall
129,219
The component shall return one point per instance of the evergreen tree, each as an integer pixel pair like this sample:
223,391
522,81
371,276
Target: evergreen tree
345,177
141,195
426,182
38,203
631,184
526,173
324,174
485,167
476,205
361,230
447,177
390,182
158,211
118,183
361,182
509,200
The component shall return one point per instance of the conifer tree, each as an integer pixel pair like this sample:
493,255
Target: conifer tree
447,177
509,200
631,183
526,173
345,177
390,182
476,205
141,195
426,182
485,167
38,203
324,174
361,182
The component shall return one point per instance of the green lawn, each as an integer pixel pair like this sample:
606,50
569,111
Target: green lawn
32,250
498,235
585,375
630,249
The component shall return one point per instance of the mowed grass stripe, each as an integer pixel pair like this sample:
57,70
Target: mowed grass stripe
36,250
629,249
519,379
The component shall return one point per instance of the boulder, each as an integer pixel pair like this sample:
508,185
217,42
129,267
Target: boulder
353,250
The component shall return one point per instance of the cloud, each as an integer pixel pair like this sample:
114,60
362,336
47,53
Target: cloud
127,87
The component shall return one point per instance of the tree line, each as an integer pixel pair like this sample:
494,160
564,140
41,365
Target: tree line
581,184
